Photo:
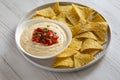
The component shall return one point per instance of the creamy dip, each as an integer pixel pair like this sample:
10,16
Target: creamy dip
38,49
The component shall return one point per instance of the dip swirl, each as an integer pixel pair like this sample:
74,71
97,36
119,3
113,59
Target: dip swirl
38,49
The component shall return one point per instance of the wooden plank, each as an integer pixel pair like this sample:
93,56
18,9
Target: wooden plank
6,71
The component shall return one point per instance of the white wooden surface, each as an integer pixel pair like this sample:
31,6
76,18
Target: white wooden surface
13,66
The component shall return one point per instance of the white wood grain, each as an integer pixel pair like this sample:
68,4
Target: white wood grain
6,72
14,67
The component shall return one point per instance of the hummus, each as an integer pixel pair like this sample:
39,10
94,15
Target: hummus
38,49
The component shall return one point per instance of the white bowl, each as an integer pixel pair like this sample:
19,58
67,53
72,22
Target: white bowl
24,25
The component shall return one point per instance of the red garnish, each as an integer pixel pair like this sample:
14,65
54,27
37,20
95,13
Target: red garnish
44,36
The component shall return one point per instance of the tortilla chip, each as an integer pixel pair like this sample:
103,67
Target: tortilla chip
67,53
79,28
100,29
82,59
56,8
37,16
47,12
97,18
85,28
76,29
79,12
77,61
75,44
65,9
91,44
62,18
86,35
101,41
64,63
76,15
91,52
73,18
87,11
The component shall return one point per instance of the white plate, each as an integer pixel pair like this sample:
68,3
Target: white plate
46,64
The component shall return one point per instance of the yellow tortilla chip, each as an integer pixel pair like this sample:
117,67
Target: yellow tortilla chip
80,13
87,11
82,59
97,18
56,8
64,63
91,44
85,28
73,18
65,9
62,18
67,53
91,52
75,15
37,16
100,29
77,61
101,41
86,35
75,44
79,28
47,12
76,29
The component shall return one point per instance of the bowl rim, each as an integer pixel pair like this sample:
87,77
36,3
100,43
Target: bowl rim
72,69
34,21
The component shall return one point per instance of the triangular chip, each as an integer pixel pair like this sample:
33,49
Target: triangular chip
101,41
67,53
76,15
79,28
97,18
85,28
37,17
76,29
65,9
82,59
86,35
62,18
47,12
91,52
79,12
56,8
100,29
77,61
64,63
87,11
75,44
90,44
73,18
